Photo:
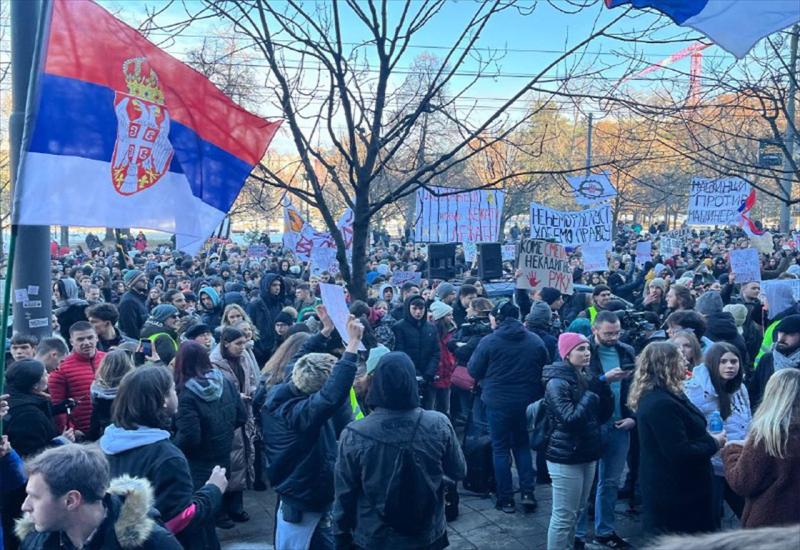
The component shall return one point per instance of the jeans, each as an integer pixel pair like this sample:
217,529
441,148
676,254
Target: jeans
571,486
310,531
509,433
436,399
609,471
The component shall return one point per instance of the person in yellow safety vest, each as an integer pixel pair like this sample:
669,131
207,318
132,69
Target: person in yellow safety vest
783,295
160,329
601,295
372,363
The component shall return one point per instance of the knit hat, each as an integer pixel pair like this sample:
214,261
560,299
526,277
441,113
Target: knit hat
285,318
24,374
789,325
374,356
162,312
568,341
739,313
131,277
196,330
549,295
658,282
709,303
439,310
445,289
505,310
311,371
581,326
540,315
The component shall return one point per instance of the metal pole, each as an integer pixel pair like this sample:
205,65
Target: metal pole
589,147
31,272
786,182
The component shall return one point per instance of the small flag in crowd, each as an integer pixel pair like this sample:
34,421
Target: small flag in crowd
734,25
124,135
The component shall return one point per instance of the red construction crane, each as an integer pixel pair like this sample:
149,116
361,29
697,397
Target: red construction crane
695,51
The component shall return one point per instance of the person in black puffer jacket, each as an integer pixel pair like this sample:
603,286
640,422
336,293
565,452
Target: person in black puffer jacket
209,411
508,366
263,311
418,338
578,405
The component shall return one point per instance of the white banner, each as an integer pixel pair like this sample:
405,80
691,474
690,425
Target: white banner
301,238
473,216
746,265
592,189
592,225
716,202
334,301
542,264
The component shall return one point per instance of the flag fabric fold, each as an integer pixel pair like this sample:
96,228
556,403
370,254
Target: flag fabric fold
734,25
124,135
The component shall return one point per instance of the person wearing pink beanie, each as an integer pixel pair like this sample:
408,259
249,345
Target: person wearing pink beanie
568,341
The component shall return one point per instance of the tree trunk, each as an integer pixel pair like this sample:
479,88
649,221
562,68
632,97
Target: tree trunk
357,285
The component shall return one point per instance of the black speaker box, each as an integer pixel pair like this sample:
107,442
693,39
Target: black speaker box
490,261
441,261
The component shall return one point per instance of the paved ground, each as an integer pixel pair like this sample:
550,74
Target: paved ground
479,525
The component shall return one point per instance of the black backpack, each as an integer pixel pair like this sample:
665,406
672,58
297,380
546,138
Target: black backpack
540,424
411,499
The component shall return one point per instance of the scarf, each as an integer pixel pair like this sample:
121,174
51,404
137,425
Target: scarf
781,361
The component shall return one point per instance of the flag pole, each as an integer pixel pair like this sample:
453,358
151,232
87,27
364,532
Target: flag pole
12,245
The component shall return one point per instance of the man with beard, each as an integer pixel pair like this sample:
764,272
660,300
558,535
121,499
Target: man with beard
785,354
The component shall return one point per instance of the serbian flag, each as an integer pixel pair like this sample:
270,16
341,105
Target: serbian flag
121,134
745,222
734,25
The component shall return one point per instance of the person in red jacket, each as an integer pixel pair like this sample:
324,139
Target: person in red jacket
74,377
437,394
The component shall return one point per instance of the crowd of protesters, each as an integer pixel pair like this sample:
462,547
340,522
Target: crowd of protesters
170,385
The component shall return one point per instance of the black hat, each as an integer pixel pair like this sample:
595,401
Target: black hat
789,325
196,330
550,295
24,374
505,310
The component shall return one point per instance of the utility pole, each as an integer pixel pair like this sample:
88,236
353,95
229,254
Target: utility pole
32,266
789,137
589,147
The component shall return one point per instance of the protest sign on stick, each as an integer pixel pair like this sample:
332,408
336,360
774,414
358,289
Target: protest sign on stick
543,264
644,253
508,252
571,228
745,265
334,302
669,246
592,189
716,202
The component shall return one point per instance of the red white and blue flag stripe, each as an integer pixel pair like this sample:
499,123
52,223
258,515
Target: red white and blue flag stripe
124,135
734,25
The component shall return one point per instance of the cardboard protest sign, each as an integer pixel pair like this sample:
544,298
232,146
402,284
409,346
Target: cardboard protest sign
400,277
571,228
716,202
594,257
592,189
323,259
543,264
746,265
644,253
508,252
333,300
473,216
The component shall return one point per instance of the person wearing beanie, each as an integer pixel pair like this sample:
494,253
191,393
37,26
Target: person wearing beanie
439,310
508,365
601,295
283,322
579,404
446,293
581,326
654,298
133,304
785,354
161,329
200,333
417,337
538,322
367,454
299,422
720,325
437,394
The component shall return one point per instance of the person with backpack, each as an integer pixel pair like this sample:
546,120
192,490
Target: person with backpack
391,468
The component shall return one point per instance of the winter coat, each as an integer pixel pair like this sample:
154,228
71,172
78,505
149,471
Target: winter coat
700,391
447,363
263,311
211,317
508,365
367,453
12,481
73,379
627,361
129,523
148,453
721,327
550,343
132,313
675,473
419,340
210,411
242,470
71,308
469,335
459,313
758,381
769,485
164,339
119,338
300,434
577,410
29,425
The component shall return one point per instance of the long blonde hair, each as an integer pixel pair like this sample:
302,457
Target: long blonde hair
780,407
116,364
234,307
660,365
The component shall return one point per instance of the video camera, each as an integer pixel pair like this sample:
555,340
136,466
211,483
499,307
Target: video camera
639,328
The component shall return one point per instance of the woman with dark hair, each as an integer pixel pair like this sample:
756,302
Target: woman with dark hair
229,356
716,387
209,412
138,444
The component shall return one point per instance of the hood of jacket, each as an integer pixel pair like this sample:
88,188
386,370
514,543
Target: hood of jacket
69,291
383,287
129,502
510,329
722,325
561,370
407,310
208,387
117,440
264,285
98,391
211,293
394,383
233,297
18,399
